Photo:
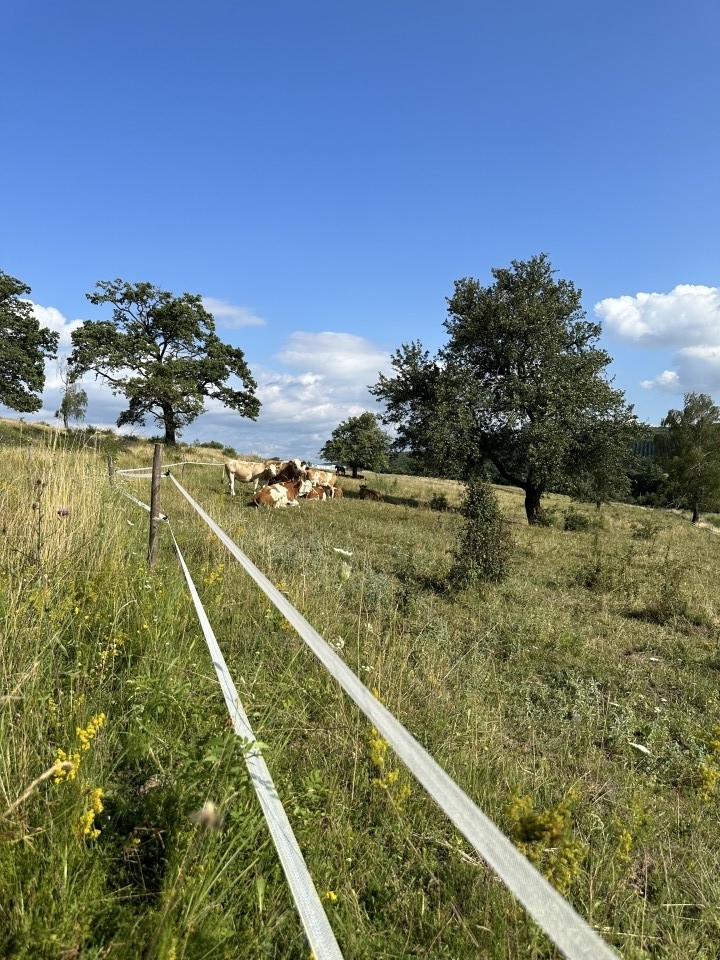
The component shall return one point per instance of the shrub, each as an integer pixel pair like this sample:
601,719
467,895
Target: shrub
485,545
439,501
574,520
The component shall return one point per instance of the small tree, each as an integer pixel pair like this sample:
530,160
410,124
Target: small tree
24,347
162,353
360,443
74,401
689,452
485,544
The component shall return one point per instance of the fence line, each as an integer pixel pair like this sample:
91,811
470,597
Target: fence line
573,936
320,935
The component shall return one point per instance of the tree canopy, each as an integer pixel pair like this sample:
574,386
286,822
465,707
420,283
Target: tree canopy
689,453
24,347
161,351
360,443
520,383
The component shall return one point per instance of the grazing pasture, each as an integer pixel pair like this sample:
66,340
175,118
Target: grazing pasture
577,702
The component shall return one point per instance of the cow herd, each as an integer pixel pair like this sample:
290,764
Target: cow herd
282,483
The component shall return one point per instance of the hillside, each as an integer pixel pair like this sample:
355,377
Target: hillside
576,702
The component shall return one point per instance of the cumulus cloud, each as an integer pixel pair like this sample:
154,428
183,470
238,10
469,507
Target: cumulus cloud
685,321
687,316
229,316
51,317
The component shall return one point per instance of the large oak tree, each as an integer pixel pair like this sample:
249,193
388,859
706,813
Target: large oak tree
520,383
24,347
161,351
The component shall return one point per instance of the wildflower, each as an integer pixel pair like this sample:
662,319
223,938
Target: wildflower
63,512
338,643
330,896
86,734
66,766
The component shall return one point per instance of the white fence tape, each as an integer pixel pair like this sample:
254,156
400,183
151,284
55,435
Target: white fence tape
317,927
568,931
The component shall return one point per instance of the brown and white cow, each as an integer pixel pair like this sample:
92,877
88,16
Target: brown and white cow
289,470
282,494
337,492
317,493
322,478
249,471
367,494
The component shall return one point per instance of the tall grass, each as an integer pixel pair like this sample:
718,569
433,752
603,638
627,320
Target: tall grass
580,692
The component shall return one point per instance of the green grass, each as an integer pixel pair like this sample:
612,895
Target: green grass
535,688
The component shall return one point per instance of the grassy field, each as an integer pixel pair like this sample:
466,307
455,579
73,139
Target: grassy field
576,702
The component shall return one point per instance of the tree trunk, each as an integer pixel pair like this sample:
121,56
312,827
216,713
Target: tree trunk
532,504
169,421
695,512
354,470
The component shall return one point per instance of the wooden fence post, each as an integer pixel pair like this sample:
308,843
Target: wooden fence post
154,498
111,469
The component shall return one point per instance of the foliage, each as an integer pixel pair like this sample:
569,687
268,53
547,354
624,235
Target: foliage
74,400
358,442
574,520
485,544
24,347
520,383
162,353
689,452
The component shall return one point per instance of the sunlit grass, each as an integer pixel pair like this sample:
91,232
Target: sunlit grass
587,681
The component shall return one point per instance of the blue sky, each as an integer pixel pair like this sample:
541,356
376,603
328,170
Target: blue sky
322,172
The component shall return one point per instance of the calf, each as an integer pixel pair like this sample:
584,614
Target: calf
249,471
337,492
282,494
317,493
367,494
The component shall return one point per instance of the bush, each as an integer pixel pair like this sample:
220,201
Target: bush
574,520
485,544
439,501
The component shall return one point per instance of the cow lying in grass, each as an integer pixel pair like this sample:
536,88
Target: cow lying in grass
282,494
367,494
249,471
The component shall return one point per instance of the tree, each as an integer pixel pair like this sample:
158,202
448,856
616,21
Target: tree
162,353
689,452
24,347
74,400
360,443
519,383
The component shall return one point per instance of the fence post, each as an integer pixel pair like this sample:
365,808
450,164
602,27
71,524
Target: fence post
154,498
111,469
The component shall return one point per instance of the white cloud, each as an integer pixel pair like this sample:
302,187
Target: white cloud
229,316
334,355
685,321
51,317
688,315
667,380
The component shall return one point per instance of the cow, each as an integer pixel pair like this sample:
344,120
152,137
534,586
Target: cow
282,494
290,470
367,494
317,493
249,471
337,492
340,470
323,478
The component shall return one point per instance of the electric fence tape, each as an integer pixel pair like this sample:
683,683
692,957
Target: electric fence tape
319,933
573,936
320,936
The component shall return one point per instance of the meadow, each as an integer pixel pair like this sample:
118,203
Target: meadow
576,702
